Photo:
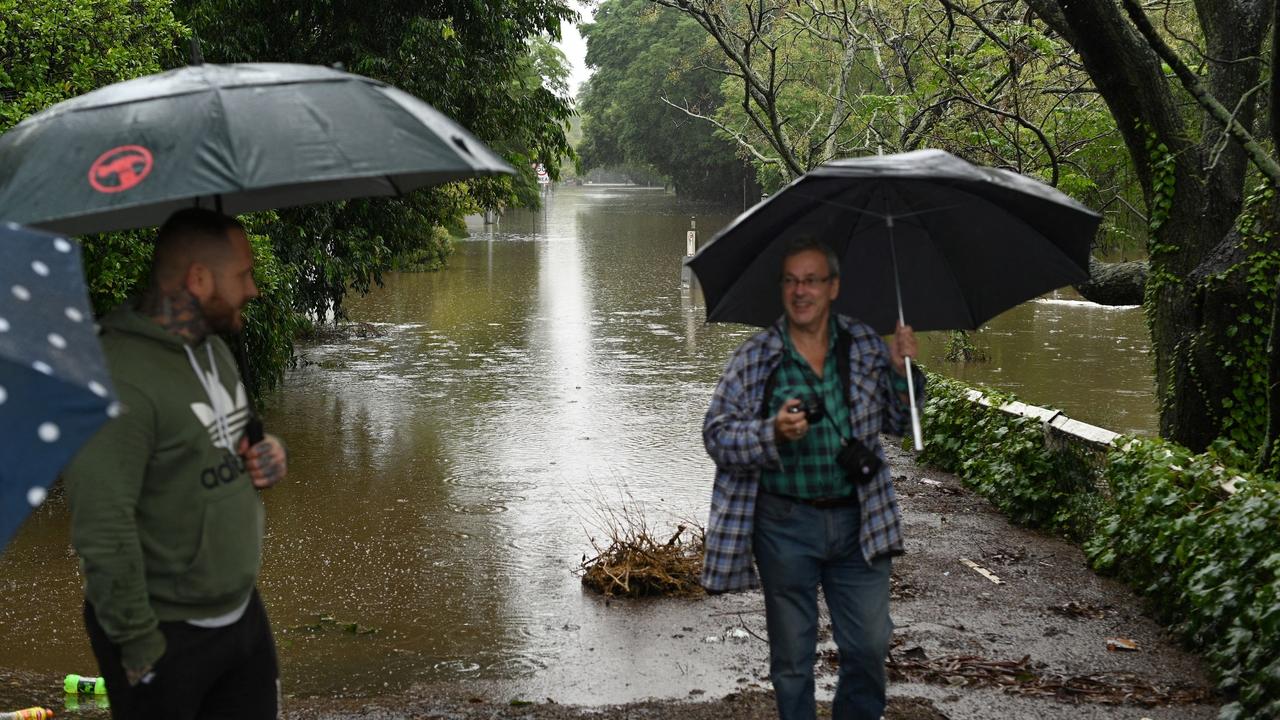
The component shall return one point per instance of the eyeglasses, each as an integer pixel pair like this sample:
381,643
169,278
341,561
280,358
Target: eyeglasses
790,282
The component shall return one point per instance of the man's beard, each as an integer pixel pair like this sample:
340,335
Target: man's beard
222,318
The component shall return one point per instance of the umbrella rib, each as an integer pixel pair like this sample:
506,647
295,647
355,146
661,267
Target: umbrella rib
872,213
225,126
1048,244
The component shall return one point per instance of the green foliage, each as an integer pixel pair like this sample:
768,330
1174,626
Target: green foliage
431,256
960,348
51,50
1162,184
1160,204
1005,458
1209,561
949,94
1244,357
804,83
641,54
116,266
270,321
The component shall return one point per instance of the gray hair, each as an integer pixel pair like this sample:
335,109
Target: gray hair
806,243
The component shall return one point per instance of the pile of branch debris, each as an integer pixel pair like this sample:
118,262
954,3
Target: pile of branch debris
633,564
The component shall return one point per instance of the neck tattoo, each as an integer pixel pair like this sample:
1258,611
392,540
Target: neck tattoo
177,311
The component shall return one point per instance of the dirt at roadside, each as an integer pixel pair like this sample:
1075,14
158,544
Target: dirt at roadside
1037,645
754,705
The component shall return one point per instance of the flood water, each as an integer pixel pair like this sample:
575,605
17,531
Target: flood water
449,469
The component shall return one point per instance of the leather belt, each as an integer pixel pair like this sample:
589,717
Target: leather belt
820,503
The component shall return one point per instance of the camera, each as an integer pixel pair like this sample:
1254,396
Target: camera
859,462
813,408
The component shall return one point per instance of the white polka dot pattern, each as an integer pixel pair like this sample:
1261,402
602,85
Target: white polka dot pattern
36,496
55,388
49,432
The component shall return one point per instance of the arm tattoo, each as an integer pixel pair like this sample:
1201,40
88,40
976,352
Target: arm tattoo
268,466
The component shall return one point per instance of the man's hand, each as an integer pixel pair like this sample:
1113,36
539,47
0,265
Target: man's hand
144,676
267,462
902,347
789,423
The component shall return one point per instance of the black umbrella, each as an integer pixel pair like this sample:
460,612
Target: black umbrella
236,138
922,236
55,391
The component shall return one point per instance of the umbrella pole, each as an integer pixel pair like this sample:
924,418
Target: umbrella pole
916,433
254,430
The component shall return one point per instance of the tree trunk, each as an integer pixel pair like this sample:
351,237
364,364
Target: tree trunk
1266,458
1201,356
1115,283
1194,194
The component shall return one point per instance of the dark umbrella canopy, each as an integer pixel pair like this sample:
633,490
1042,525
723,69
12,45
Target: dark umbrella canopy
970,242
238,138
55,391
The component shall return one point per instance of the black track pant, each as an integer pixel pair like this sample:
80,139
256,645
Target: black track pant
205,673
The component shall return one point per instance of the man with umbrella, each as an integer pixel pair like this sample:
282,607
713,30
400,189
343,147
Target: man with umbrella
794,428
170,566
164,510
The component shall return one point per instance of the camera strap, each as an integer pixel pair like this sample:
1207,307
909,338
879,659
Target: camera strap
827,415
844,346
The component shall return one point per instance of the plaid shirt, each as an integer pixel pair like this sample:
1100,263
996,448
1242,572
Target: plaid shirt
742,443
808,469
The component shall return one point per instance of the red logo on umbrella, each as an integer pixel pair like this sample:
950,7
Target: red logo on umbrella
119,169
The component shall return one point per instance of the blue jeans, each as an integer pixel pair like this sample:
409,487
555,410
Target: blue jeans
797,547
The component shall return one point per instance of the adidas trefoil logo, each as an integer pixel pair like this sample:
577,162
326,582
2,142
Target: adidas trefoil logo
236,413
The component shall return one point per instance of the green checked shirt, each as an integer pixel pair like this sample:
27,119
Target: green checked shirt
808,468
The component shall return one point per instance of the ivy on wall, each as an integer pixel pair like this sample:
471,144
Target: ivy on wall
1149,511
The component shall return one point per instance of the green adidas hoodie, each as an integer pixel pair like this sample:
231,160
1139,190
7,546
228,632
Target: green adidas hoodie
164,516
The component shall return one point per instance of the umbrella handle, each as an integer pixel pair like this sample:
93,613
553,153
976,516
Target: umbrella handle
915,412
910,384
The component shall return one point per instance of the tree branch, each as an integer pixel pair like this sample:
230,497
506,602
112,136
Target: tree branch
737,136
1044,141
1191,82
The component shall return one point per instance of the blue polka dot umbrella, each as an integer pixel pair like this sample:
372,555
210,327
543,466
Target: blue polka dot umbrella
55,391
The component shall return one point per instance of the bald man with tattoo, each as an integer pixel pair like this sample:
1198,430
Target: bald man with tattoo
165,512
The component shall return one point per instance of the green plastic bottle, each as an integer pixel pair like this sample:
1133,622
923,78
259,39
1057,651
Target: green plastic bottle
82,685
